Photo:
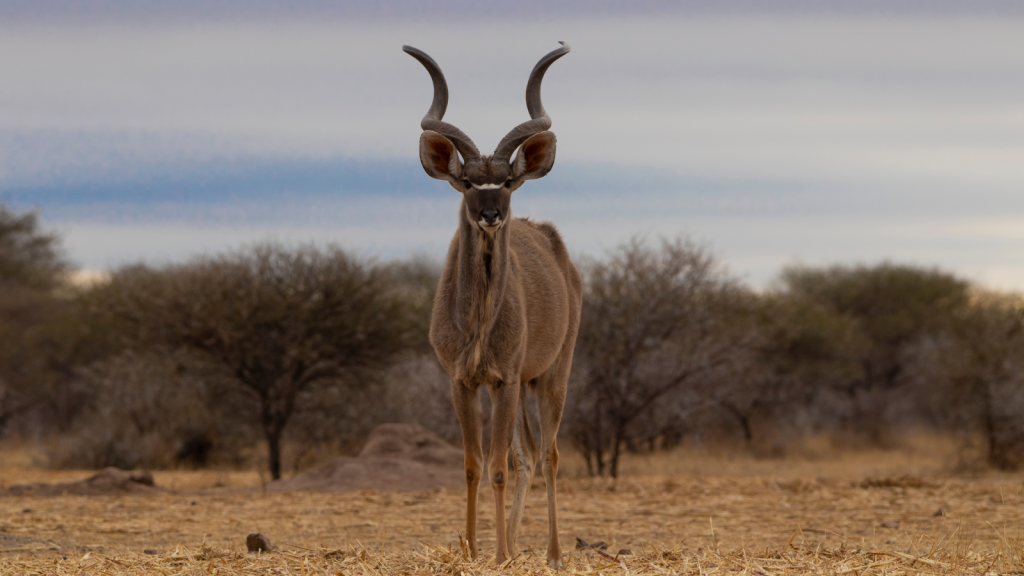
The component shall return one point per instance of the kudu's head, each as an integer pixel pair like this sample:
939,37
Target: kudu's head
487,182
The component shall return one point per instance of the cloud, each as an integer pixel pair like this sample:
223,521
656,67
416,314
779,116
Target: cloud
461,10
866,99
774,133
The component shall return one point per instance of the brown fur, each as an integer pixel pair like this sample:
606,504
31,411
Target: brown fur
515,326
507,308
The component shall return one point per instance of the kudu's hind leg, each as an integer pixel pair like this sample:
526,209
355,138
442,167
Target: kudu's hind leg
467,407
524,460
551,401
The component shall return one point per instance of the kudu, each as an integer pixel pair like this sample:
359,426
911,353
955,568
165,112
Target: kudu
507,308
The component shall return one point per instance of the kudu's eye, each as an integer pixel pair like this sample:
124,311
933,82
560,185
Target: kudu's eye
467,184
508,183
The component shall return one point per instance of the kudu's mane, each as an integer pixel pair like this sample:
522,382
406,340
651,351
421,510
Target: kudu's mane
481,276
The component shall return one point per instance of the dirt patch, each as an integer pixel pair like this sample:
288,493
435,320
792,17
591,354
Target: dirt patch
652,526
106,482
897,482
18,543
396,457
411,442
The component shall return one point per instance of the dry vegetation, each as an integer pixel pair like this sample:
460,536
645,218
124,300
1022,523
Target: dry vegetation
863,513
825,375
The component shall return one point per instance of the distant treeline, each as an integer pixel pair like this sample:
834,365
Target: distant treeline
280,353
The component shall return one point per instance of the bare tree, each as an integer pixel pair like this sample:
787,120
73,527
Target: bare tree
25,315
29,257
342,416
985,366
657,323
894,307
280,323
40,337
142,409
803,351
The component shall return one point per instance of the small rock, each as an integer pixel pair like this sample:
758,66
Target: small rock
26,511
143,477
258,542
193,503
60,527
939,512
150,551
891,524
625,552
582,544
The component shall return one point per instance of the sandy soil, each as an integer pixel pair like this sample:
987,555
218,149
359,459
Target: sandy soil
633,513
837,519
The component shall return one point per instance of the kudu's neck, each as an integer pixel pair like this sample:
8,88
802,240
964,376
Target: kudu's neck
483,267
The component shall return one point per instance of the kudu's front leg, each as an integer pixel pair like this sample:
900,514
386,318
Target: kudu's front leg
467,408
505,401
524,459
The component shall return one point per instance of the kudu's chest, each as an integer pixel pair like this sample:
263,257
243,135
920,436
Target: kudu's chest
478,326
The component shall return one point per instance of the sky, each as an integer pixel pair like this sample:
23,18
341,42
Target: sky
774,132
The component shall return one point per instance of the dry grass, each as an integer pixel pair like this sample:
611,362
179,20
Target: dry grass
863,514
951,557
917,454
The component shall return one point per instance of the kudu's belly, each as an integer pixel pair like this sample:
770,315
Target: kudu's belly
547,319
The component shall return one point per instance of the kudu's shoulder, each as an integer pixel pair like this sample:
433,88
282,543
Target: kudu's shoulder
543,233
542,237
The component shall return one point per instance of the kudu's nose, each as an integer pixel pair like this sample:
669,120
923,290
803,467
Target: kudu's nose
489,216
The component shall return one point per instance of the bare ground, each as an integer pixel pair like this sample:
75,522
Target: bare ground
866,513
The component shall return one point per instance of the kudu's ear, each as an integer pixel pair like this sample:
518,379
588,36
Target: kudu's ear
439,157
535,158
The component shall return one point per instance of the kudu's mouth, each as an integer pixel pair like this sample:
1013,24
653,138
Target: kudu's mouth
490,227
